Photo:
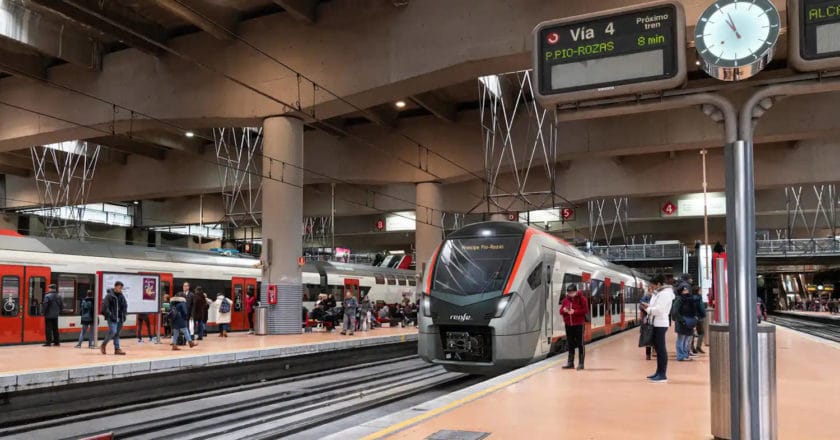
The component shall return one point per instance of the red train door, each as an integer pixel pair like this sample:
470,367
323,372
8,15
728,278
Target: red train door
12,304
37,279
607,306
240,287
587,292
351,285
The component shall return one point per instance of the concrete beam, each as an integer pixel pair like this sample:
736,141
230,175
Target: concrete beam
21,63
48,36
439,107
12,169
302,10
112,19
130,146
385,115
173,141
212,18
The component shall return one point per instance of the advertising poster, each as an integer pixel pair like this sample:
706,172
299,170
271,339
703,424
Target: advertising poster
141,290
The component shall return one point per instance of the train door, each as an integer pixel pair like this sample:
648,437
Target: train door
37,279
12,305
240,287
586,278
619,308
546,289
608,303
352,286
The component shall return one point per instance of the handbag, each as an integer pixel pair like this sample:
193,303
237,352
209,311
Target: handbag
646,335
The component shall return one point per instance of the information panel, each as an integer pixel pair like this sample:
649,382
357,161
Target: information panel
140,290
814,37
623,51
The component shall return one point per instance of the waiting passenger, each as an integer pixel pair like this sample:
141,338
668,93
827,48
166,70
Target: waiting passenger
350,306
115,309
178,317
199,313
684,313
330,302
250,302
364,308
222,306
87,318
574,308
50,309
658,311
143,318
643,305
164,310
697,347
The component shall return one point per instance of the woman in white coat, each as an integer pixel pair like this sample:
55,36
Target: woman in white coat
659,311
222,308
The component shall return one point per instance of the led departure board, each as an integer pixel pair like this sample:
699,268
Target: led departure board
623,51
814,37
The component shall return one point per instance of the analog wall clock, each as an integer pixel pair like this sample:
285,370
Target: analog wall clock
735,39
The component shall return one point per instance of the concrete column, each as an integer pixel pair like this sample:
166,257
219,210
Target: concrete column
498,217
429,230
282,220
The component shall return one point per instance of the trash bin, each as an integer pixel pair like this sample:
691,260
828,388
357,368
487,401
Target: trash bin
718,338
261,320
710,312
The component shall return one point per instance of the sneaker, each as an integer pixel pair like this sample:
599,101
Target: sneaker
659,379
79,345
651,376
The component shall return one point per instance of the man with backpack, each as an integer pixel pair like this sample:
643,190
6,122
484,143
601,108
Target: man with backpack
87,318
51,308
178,314
115,310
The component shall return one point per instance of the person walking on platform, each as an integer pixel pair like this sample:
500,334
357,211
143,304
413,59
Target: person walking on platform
87,318
658,314
115,309
643,305
574,308
199,313
164,312
684,314
143,318
50,309
178,315
350,307
222,307
697,347
250,302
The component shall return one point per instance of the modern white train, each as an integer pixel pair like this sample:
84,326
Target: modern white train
492,294
29,264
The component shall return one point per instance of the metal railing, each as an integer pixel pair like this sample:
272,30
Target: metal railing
797,247
639,252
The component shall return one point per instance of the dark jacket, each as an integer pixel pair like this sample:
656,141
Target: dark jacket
114,307
350,305
51,307
699,306
684,313
580,307
181,317
330,303
87,318
199,307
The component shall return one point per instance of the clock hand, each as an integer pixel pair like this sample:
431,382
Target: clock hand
731,24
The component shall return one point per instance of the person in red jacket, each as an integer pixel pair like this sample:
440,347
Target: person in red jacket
574,308
250,300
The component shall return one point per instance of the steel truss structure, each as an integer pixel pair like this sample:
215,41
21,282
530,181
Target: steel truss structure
317,230
824,210
617,212
63,175
519,137
237,151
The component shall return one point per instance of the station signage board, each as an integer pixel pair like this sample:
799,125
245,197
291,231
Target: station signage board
814,34
271,293
623,51
567,214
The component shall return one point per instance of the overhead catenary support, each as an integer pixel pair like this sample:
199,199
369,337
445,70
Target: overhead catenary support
212,18
130,146
237,151
617,214
303,10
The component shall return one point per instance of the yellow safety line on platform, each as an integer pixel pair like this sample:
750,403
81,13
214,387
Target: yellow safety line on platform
477,395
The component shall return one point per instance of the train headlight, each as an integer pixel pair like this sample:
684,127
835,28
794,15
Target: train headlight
427,307
502,306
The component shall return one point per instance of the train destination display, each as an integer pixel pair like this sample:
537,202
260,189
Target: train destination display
623,51
814,34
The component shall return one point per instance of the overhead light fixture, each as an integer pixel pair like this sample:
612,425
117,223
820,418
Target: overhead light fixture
189,134
400,104
136,202
697,62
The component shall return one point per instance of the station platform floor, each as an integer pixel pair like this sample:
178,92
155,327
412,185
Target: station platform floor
611,399
34,366
835,316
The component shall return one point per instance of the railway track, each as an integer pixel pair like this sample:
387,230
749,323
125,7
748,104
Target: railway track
270,409
819,329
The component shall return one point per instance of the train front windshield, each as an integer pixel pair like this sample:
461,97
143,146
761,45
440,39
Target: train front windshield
470,266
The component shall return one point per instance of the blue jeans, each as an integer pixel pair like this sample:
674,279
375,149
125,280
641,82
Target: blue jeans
114,329
683,346
200,329
85,329
176,331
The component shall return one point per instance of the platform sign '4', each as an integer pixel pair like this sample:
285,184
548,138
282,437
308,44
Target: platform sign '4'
669,208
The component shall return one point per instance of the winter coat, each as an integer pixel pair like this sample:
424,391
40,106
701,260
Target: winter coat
114,306
699,305
365,305
180,317
685,314
88,317
580,307
660,306
199,307
350,306
249,303
645,300
52,305
221,318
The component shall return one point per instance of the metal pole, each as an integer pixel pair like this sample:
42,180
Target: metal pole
332,216
722,304
706,255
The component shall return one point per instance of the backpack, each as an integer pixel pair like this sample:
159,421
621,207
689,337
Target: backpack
87,309
173,313
224,307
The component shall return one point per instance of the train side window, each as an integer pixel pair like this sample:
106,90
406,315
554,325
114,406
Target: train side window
412,281
596,301
392,280
37,289
569,280
535,279
380,279
10,297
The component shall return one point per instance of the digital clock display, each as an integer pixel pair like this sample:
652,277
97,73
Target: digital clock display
819,29
608,51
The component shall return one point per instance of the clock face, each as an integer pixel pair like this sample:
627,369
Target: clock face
737,34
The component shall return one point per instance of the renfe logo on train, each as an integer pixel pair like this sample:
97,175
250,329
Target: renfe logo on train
461,318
